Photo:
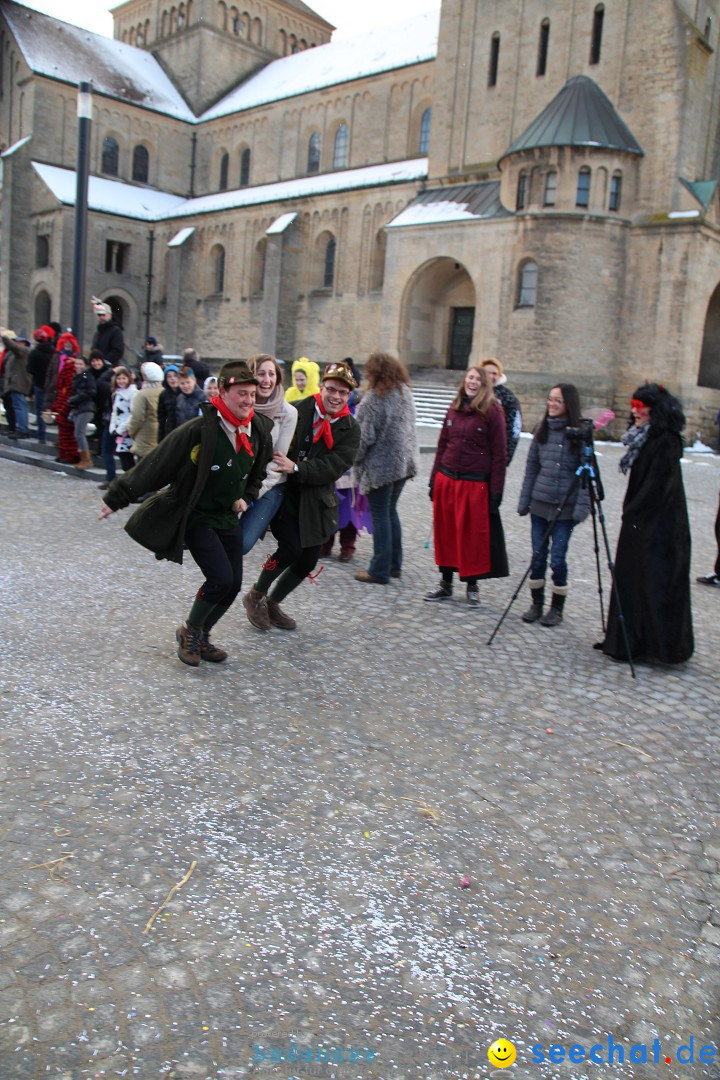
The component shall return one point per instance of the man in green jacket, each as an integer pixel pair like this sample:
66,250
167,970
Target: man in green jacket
324,446
214,466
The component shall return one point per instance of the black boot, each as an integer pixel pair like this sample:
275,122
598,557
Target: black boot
537,593
443,592
553,616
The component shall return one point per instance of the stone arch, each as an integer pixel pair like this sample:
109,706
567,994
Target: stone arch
42,307
709,370
437,311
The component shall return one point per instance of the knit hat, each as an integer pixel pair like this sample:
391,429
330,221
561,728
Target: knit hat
151,341
151,372
342,373
234,372
68,343
171,367
44,333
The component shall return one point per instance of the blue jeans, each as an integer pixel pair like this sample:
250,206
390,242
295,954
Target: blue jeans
387,531
560,537
22,416
107,449
255,521
39,395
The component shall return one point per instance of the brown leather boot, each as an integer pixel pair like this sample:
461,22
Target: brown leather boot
256,608
210,652
85,461
278,617
188,639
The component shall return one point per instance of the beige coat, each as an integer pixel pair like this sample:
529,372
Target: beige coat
143,426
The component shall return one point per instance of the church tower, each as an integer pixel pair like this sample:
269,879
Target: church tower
209,46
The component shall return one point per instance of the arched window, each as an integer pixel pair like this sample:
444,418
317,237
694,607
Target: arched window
257,31
582,196
222,15
494,59
329,265
314,148
258,268
42,252
140,165
217,257
615,191
377,267
597,33
110,156
340,152
550,194
521,196
425,119
245,167
42,308
224,165
527,285
543,47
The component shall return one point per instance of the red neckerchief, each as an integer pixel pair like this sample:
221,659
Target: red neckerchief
321,426
242,443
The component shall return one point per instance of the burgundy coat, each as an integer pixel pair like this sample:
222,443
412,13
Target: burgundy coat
472,443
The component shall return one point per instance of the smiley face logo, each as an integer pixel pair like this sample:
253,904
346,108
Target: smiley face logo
501,1054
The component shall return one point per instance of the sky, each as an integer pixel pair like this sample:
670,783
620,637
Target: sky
349,18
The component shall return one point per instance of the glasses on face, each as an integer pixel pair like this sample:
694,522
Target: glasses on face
555,401
332,392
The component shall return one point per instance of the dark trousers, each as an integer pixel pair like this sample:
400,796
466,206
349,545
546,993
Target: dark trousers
717,541
290,553
218,553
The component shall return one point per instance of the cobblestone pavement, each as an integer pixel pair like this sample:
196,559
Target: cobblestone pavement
383,836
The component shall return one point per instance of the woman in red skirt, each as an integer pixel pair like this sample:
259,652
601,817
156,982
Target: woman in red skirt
466,487
68,453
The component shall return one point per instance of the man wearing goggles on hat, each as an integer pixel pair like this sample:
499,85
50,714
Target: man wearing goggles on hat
214,465
324,446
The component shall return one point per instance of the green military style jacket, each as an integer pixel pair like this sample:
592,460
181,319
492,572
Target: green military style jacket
183,461
310,492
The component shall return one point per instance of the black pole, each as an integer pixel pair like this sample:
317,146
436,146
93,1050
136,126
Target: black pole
148,296
84,111
193,154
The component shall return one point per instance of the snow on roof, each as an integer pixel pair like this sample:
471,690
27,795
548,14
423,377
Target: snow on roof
109,196
61,51
383,49
462,202
397,172
280,224
149,204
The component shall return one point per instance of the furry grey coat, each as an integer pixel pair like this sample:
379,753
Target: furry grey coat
388,439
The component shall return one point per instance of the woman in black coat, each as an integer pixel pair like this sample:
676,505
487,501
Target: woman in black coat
652,564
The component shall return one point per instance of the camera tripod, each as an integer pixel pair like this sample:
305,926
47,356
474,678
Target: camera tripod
587,477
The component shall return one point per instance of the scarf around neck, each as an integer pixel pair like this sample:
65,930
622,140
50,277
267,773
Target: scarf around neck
241,427
634,438
322,422
273,406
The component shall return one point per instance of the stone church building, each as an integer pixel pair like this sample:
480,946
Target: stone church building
535,181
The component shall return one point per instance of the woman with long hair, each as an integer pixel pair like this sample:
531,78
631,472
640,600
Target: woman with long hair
554,499
270,402
652,564
387,458
466,487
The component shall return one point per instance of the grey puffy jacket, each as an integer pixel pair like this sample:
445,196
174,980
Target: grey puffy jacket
549,473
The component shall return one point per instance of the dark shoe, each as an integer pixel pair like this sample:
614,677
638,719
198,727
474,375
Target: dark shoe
345,556
709,579
278,617
554,614
444,592
209,651
473,596
534,612
105,486
23,435
188,639
396,573
256,608
364,575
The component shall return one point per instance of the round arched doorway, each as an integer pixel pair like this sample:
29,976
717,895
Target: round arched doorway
438,314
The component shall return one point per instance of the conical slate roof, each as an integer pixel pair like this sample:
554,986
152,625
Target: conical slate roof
580,115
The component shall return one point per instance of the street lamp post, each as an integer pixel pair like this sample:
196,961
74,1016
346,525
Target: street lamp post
84,111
